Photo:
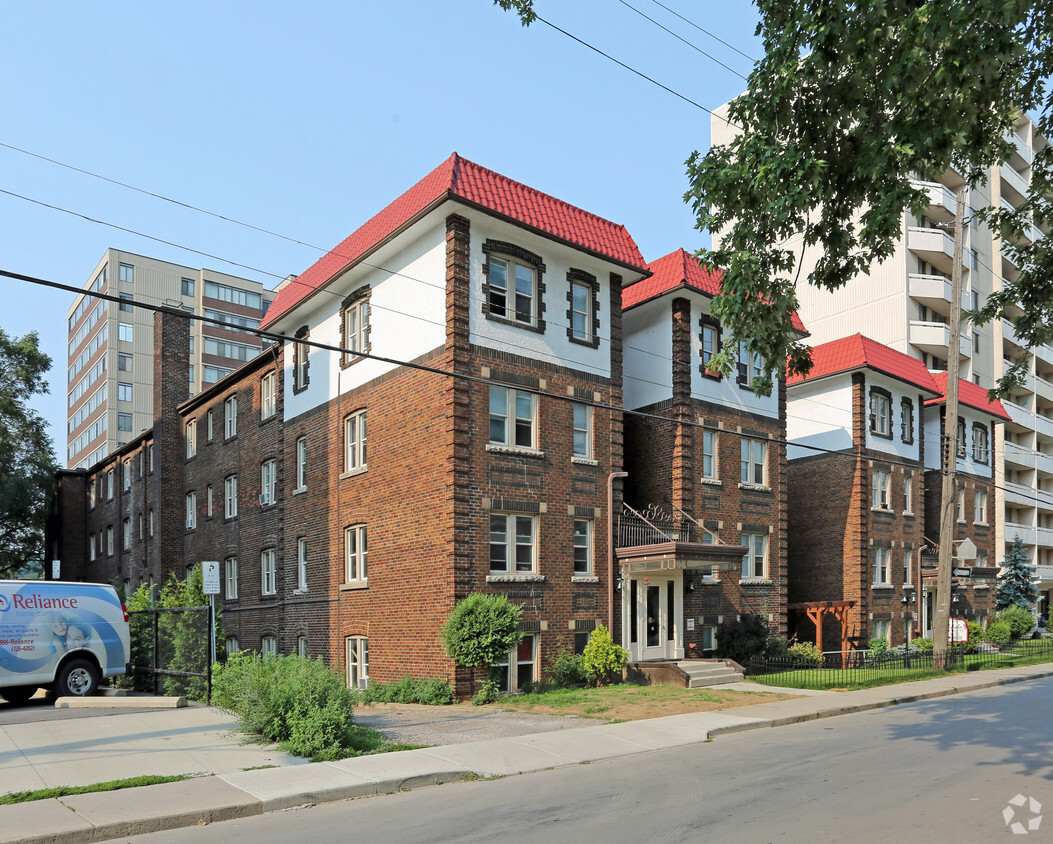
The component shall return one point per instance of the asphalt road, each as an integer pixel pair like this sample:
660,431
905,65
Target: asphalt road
942,770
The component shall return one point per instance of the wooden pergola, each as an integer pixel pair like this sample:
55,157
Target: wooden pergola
817,610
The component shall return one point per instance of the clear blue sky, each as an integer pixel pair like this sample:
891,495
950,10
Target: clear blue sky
307,119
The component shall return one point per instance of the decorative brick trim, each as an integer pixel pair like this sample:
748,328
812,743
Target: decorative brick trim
592,339
524,255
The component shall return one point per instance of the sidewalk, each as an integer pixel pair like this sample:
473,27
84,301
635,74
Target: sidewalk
105,815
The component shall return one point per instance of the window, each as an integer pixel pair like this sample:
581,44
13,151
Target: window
512,414
268,482
582,299
908,484
980,507
754,462
882,628
749,365
879,559
961,505
109,484
91,492
234,295
208,501
980,448
511,289
269,572
208,425
709,455
230,416
126,534
355,326
150,457
191,510
150,521
109,540
512,542
91,547
230,571
268,395
301,564
212,374
125,332
518,668
355,432
355,553
230,497
124,421
126,302
269,646
961,438
125,362
583,430
232,645
710,336
906,412
126,475
908,556
357,648
879,483
301,463
126,273
191,438
583,546
709,637
301,360
755,561
187,286
880,413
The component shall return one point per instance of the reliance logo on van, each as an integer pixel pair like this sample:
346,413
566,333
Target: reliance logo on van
4,603
36,602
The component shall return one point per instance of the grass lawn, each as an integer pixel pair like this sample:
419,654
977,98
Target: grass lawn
625,702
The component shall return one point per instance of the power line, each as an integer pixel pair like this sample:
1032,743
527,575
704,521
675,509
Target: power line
706,31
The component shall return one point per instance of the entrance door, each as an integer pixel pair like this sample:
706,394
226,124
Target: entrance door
928,613
657,615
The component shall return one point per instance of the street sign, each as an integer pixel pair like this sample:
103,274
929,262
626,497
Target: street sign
961,571
959,630
210,577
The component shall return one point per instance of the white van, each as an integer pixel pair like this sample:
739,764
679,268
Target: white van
63,636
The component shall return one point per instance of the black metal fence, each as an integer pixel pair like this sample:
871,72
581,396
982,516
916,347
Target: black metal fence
170,652
855,668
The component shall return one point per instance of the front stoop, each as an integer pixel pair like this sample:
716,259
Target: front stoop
688,674
702,674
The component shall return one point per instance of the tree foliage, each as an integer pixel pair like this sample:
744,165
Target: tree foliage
1016,584
27,458
602,659
481,630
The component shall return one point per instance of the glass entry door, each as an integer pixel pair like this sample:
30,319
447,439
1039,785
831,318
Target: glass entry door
657,618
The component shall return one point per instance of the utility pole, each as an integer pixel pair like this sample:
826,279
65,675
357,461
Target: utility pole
949,496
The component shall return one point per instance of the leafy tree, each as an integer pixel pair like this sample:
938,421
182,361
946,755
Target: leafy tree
852,100
743,638
1016,584
27,470
184,635
481,630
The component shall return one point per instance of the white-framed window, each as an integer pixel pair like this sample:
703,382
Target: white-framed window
301,564
582,430
355,430
356,551
232,645
124,392
126,534
908,485
356,328
980,507
301,360
750,365
208,501
268,571
150,521
581,313
882,628
186,286
301,463
879,558
879,485
513,415
754,462
755,560
126,474
880,413
710,343
269,646
208,425
981,451
962,442
961,505
583,546
268,482
124,422
92,489
268,395
908,559
906,409
125,332
126,273
512,290
109,484
230,571
191,438
709,454
357,651
301,646
709,637
109,540
230,497
191,510
230,416
512,543
91,547
125,362
519,667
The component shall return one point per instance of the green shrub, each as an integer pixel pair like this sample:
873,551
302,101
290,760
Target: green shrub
976,633
431,691
922,645
807,653
999,633
488,693
1019,620
777,646
568,668
878,646
743,639
299,703
603,659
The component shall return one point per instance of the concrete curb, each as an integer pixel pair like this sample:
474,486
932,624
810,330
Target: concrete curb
121,702
107,815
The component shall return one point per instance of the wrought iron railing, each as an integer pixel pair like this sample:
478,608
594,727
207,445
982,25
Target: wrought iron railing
655,526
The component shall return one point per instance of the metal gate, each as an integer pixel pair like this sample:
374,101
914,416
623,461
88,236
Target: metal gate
170,651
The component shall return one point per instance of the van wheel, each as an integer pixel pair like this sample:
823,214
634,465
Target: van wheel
77,678
18,694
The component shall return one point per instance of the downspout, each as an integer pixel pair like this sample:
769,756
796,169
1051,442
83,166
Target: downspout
610,546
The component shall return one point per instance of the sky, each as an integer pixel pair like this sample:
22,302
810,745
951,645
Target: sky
307,119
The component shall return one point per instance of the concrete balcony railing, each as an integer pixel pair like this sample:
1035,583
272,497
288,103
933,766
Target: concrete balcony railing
1044,352
1027,533
1016,184
1022,155
943,203
1044,573
934,292
936,247
1042,387
1044,463
1009,332
1044,536
1019,456
935,338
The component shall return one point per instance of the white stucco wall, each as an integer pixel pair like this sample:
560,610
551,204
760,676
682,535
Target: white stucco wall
648,339
964,464
819,414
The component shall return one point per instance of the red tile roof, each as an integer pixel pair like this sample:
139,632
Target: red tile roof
856,352
458,178
970,394
680,269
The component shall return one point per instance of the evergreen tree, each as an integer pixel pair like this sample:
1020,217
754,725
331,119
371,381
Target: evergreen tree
1016,584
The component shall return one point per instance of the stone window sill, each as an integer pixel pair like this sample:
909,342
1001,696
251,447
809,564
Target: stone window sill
361,470
514,450
755,581
887,510
354,584
299,490
755,487
712,482
584,578
584,461
515,578
882,587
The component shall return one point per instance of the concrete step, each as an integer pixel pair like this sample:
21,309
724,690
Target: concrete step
702,674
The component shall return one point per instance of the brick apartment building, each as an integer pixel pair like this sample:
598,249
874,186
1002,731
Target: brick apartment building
864,477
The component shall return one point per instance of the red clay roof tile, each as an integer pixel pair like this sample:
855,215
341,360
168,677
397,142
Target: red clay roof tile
856,352
970,394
